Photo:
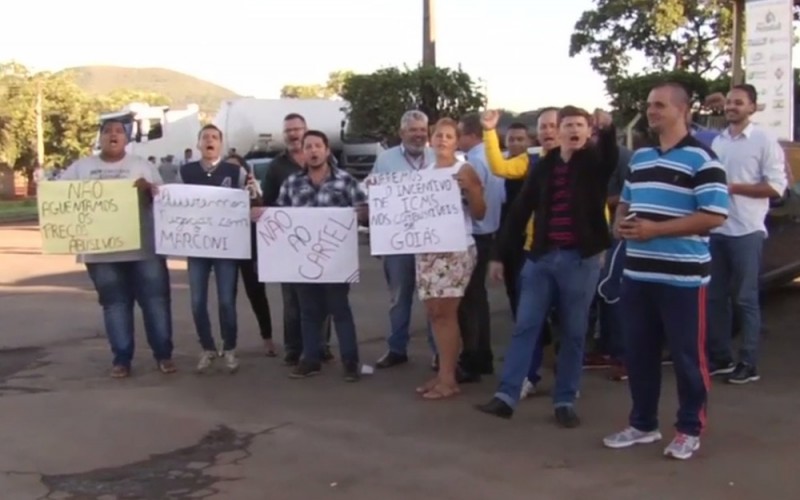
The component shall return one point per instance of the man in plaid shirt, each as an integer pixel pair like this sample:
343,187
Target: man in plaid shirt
323,185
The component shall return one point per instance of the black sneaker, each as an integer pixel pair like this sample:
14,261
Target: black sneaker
327,355
305,370
566,417
497,408
743,374
391,359
351,372
721,367
291,359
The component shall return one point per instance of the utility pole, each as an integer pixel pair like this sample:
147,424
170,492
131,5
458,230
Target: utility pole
39,125
428,33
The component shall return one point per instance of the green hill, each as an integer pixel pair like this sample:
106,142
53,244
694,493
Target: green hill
181,89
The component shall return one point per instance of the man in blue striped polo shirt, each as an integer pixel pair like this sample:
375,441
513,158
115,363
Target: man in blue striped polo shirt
674,195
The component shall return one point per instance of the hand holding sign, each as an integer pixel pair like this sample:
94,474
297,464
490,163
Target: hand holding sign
256,213
143,185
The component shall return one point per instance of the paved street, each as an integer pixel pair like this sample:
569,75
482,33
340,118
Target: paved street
70,432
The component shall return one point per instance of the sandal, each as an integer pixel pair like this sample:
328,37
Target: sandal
427,386
119,371
441,391
167,366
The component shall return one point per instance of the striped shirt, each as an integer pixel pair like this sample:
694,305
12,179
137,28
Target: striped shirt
668,185
561,229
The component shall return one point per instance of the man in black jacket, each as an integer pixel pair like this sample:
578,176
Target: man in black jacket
566,193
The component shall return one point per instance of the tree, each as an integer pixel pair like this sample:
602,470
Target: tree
628,94
332,88
117,99
378,100
336,81
295,91
672,35
69,115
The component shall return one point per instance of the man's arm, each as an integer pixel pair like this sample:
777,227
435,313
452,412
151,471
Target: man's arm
608,151
773,174
512,168
284,196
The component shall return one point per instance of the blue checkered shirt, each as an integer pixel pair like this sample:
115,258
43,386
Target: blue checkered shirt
340,189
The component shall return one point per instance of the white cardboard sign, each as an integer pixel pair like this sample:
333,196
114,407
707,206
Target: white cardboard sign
308,245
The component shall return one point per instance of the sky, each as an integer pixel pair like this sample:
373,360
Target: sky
254,47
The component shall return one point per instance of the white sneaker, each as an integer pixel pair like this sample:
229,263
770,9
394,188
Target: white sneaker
528,389
231,362
682,446
630,437
206,360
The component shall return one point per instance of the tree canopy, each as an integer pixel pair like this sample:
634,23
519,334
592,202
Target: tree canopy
332,88
69,115
379,99
672,35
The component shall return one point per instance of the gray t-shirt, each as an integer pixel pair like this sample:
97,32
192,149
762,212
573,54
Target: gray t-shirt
130,167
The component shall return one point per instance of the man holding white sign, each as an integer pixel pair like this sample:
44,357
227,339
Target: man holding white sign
211,171
320,185
411,156
124,278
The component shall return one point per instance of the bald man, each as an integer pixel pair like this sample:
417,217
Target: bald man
675,194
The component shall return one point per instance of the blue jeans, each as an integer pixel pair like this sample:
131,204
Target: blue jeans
226,274
735,269
400,272
317,302
564,279
119,285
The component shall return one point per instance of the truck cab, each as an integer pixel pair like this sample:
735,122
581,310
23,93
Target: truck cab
156,131
359,151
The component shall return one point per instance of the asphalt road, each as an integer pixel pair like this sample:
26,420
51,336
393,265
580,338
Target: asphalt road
69,432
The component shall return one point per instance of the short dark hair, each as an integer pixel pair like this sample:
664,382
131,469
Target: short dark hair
316,133
471,124
748,89
548,109
187,150
518,126
680,94
294,116
109,121
209,126
573,111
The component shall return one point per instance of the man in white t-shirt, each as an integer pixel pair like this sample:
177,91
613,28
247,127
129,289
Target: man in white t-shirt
122,278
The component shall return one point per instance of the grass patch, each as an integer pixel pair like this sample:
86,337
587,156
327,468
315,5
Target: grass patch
18,209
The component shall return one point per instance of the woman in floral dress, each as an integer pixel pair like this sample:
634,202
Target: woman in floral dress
443,277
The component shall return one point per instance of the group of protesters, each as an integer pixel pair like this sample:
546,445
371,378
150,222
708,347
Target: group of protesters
655,249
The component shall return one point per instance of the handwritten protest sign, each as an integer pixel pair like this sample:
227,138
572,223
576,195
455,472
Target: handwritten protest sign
89,217
202,221
415,212
308,245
